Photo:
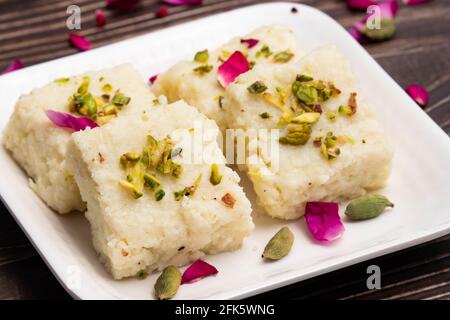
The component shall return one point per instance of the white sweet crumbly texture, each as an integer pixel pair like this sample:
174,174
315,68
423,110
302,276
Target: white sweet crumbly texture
304,174
203,91
39,146
145,234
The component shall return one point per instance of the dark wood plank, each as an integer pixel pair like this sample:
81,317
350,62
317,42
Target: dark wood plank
34,31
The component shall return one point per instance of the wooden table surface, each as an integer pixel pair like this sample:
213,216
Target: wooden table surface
34,31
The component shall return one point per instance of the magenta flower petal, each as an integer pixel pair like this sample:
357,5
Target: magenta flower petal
235,65
66,120
100,18
121,5
419,94
388,8
198,270
162,12
15,65
183,2
79,42
414,2
323,220
361,4
153,78
356,32
250,42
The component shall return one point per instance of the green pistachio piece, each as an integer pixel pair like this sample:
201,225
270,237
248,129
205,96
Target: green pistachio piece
131,188
385,32
280,245
265,51
159,195
305,94
132,156
345,110
331,116
202,56
120,100
307,117
299,127
168,282
84,86
257,87
367,207
215,177
283,56
62,80
295,138
142,274
90,103
109,109
303,78
107,87
151,181
203,69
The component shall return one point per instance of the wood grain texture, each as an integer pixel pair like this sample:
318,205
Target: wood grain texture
34,31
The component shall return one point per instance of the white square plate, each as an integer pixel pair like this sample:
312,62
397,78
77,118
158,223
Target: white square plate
419,185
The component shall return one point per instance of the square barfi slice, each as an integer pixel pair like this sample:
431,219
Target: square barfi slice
39,146
202,89
156,194
328,144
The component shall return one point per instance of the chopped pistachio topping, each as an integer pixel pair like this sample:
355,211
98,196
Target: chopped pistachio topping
142,274
107,87
228,200
120,100
84,86
303,78
187,191
283,56
257,87
151,181
331,115
251,64
159,195
101,79
265,115
310,92
202,56
307,117
215,177
276,100
295,138
345,110
328,147
62,80
285,118
203,69
265,52
132,188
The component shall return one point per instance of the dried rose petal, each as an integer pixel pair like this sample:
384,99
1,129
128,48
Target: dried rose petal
235,65
162,12
66,120
153,78
79,42
356,32
414,2
419,94
15,65
361,4
250,42
121,5
100,18
183,2
323,220
388,8
198,270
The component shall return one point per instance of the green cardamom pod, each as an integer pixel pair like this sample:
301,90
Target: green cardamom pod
168,283
385,31
280,245
367,207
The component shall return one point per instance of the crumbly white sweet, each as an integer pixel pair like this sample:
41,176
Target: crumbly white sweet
304,174
39,146
145,234
204,91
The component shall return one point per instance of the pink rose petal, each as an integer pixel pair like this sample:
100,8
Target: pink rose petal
414,2
15,65
162,12
419,94
121,5
361,4
183,2
66,120
79,42
100,18
153,78
250,42
235,65
388,8
323,220
356,32
198,270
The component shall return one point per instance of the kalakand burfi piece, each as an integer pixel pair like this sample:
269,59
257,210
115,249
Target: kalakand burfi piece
330,145
39,146
196,81
155,196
